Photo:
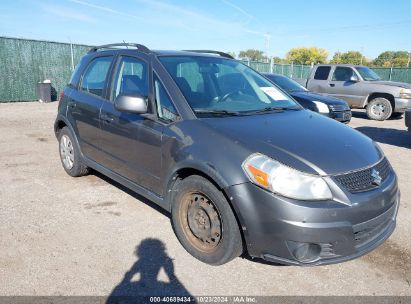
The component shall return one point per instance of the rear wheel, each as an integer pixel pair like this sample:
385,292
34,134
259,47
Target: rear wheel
70,154
379,109
204,221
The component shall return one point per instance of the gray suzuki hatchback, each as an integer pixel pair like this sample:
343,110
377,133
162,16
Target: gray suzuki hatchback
240,165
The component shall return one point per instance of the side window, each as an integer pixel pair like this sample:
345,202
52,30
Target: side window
342,74
322,73
94,78
131,78
165,108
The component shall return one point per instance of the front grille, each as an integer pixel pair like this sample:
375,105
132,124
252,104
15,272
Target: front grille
372,229
363,180
338,108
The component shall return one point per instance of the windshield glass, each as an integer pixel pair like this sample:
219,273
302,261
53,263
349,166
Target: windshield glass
286,83
217,85
368,74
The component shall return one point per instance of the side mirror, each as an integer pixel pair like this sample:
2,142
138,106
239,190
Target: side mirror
132,104
354,78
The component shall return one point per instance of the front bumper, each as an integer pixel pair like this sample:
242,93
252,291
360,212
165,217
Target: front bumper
402,104
272,224
342,116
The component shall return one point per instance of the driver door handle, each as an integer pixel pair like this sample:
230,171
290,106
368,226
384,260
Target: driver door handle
332,84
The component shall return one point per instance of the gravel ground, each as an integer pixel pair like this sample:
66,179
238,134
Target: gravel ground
89,236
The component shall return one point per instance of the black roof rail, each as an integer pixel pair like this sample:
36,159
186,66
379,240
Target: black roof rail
222,54
139,47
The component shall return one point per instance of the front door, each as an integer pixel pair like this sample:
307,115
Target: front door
342,86
131,143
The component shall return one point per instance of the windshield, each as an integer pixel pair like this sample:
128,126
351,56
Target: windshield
286,83
368,74
214,85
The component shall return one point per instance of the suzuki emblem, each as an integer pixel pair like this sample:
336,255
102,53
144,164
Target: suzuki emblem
376,177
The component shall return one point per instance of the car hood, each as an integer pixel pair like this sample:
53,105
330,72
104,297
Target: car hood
310,96
392,84
304,140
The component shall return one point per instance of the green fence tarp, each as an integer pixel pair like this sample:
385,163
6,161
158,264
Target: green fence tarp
25,62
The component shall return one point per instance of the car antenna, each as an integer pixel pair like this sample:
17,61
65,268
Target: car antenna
125,43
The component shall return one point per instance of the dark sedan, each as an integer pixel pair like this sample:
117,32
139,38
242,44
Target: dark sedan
328,106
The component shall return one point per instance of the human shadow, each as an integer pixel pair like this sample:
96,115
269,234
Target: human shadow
141,280
394,137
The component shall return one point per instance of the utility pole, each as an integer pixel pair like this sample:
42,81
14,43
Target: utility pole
267,37
362,51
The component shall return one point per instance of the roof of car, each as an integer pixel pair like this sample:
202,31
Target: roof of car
134,47
343,64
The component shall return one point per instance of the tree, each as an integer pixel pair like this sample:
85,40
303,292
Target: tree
232,54
350,57
389,58
252,54
279,60
307,55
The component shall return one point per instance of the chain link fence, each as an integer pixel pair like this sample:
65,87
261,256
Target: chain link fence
26,62
298,71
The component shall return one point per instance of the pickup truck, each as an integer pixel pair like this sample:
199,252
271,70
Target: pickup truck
360,87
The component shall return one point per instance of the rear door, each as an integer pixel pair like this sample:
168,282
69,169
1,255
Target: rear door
342,86
85,103
318,81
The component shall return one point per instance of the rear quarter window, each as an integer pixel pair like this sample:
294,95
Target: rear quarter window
322,73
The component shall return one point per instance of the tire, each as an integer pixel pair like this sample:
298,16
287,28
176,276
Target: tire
70,154
204,222
379,109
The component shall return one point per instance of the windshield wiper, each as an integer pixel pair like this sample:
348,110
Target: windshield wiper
216,112
273,109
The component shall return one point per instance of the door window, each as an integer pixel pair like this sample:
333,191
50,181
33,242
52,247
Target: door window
165,108
322,73
95,77
131,78
343,74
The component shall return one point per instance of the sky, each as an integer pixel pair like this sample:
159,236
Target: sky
226,25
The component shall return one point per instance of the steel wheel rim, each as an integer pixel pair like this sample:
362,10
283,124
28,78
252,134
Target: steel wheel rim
201,221
67,152
378,109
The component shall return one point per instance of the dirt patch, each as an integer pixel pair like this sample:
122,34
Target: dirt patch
391,259
103,204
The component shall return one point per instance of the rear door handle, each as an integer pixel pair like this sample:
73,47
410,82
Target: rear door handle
106,118
332,84
72,104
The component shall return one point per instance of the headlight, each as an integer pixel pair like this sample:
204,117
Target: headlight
322,107
405,93
278,178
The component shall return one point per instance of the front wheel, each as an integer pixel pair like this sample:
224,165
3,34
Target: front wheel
379,109
204,221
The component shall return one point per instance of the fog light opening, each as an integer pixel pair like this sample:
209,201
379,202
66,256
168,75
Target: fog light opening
304,252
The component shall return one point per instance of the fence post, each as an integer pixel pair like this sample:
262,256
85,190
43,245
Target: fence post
391,72
72,56
248,61
292,69
272,65
302,68
282,69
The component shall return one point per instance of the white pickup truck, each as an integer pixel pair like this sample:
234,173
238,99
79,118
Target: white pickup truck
360,87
